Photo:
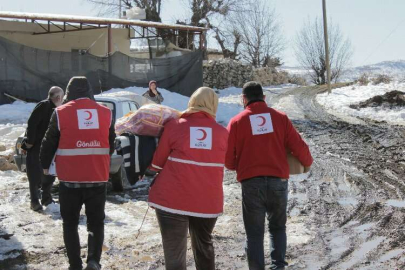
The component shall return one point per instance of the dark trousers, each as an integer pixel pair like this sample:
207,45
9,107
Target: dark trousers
174,228
71,201
261,196
36,177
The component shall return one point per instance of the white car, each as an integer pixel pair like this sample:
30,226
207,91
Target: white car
119,106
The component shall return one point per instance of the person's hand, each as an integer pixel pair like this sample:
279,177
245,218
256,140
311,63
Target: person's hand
46,171
306,169
24,152
154,91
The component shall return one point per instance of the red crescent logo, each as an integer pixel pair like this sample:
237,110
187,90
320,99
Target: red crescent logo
263,119
204,135
90,115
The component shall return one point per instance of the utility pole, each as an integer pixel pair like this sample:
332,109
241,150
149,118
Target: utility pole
325,31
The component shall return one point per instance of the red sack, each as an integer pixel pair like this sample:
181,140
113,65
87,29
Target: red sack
149,120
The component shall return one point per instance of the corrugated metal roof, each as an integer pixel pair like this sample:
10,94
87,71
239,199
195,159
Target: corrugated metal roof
95,20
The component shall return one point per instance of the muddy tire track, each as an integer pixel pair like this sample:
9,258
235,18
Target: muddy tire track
369,159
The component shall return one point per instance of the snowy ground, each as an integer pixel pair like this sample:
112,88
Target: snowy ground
394,69
35,239
25,232
229,100
13,121
337,103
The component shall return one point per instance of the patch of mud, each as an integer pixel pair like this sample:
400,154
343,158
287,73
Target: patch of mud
389,100
351,205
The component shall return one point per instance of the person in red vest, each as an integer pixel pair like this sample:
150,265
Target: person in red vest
258,139
80,139
187,193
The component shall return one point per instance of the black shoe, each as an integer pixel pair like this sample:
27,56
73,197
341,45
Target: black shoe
92,265
47,202
36,206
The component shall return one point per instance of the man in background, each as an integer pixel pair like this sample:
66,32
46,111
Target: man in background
259,138
37,126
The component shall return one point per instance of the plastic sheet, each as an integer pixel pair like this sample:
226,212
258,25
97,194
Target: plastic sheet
28,73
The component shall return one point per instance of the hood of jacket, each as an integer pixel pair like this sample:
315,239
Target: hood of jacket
78,87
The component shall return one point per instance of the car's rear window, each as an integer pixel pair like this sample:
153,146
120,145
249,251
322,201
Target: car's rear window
109,105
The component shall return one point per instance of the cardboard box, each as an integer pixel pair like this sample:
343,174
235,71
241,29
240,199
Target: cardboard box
295,166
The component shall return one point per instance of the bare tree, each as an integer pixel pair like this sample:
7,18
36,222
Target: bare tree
210,13
201,10
310,50
107,7
247,26
229,41
259,31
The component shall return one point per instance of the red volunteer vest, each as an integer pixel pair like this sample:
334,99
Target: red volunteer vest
83,151
191,154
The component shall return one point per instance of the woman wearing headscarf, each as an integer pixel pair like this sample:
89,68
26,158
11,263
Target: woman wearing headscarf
187,193
153,94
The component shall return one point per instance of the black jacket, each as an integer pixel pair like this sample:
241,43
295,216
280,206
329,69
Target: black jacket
138,154
39,121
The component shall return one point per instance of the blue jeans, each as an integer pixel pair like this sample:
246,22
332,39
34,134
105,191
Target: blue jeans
261,196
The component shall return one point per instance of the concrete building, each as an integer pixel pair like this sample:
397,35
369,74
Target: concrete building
94,41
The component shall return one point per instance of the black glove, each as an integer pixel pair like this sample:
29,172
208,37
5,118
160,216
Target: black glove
23,144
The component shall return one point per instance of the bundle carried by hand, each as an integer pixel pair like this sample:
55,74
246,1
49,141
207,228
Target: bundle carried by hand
149,120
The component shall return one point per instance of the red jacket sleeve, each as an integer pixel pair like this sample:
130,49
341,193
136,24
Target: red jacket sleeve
230,157
297,145
163,150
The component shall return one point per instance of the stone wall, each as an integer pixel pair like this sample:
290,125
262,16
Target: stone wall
269,76
225,73
221,74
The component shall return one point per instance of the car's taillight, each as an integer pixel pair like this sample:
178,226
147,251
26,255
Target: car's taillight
18,148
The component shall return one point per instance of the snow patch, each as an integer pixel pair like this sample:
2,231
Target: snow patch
17,112
391,254
365,227
396,203
229,100
348,201
358,255
337,103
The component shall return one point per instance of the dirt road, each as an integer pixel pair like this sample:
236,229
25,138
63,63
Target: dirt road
347,213
352,203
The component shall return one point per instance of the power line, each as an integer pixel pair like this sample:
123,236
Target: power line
385,39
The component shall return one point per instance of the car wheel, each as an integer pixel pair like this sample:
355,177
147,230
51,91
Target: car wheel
117,180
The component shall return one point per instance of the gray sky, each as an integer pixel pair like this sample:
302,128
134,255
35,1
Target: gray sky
376,28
